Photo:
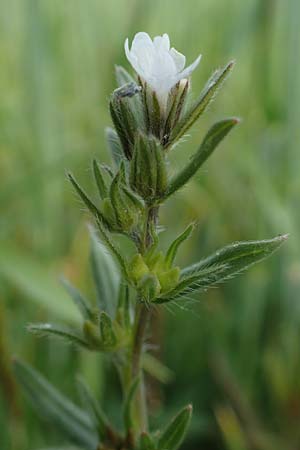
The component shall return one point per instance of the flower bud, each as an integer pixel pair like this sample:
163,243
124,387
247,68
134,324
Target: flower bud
149,287
126,205
137,268
123,116
148,168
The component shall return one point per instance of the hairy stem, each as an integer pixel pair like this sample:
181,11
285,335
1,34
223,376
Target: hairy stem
142,316
141,322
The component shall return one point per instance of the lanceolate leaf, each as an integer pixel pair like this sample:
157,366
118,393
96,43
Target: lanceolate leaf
78,299
214,136
102,189
239,255
96,414
171,253
87,201
105,274
67,334
222,265
201,104
174,434
56,408
112,247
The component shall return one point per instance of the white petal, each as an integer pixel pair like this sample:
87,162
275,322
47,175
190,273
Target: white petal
141,39
178,58
162,42
187,72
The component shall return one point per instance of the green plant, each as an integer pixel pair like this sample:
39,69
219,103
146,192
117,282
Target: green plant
150,115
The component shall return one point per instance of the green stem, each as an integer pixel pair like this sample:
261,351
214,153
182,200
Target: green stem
140,327
142,316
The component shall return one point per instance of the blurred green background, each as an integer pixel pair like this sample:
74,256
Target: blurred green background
234,353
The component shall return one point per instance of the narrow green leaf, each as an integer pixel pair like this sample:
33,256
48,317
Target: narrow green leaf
68,334
105,274
51,405
127,413
112,247
94,410
238,255
222,265
114,145
175,432
172,251
78,299
146,442
201,104
214,136
87,201
102,189
108,335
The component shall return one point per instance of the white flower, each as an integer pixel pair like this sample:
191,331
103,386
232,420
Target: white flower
158,65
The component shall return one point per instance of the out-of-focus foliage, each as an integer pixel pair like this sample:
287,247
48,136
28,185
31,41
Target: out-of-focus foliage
234,352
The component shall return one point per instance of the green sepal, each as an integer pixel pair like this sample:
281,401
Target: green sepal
137,268
214,136
135,201
95,411
114,145
79,300
118,202
123,116
126,206
122,76
155,116
102,189
146,442
127,410
107,333
149,287
67,334
201,104
87,201
147,169
51,405
161,172
177,99
175,432
172,251
222,265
